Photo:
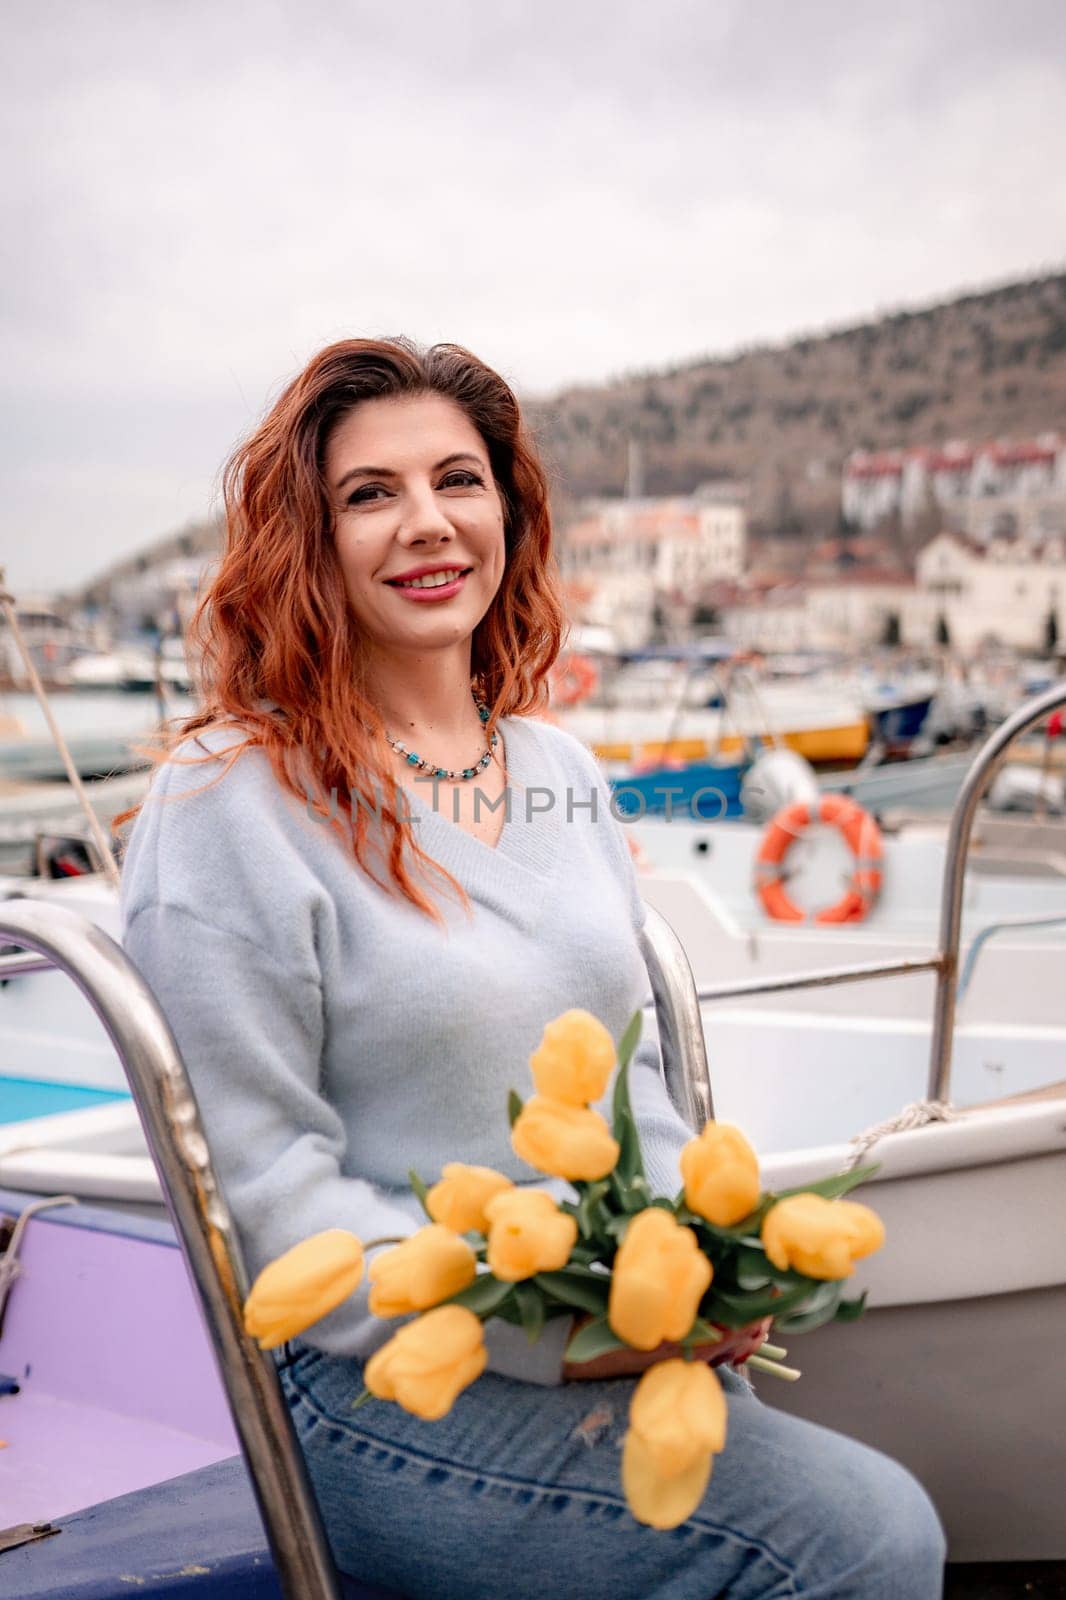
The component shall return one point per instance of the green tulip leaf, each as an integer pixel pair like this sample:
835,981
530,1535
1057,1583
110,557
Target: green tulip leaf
701,1332
851,1310
590,1211
419,1188
530,1309
737,1307
831,1188
586,1291
594,1339
630,1162
630,1039
484,1296
514,1106
821,1308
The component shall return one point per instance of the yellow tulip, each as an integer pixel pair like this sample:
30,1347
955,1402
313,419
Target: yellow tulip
429,1362
822,1238
430,1266
458,1201
563,1140
721,1175
677,1422
574,1060
527,1234
303,1285
657,1501
660,1276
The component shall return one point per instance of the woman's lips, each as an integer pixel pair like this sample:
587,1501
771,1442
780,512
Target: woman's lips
442,591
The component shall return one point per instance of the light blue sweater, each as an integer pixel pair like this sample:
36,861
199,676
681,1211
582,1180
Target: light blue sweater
335,1037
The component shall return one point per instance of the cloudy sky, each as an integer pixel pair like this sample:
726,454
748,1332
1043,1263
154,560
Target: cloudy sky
198,196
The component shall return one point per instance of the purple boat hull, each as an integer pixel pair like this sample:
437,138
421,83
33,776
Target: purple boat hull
118,1432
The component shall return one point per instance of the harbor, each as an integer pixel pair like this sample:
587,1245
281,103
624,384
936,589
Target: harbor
572,1104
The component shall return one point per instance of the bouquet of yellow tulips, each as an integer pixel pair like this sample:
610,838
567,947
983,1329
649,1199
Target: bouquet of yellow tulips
716,1265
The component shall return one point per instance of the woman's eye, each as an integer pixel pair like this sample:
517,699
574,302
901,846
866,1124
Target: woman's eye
365,492
461,479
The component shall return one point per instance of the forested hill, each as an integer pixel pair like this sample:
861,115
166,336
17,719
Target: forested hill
990,365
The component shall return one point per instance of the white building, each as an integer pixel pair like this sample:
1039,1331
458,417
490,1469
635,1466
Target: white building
772,621
995,488
675,543
1001,591
858,612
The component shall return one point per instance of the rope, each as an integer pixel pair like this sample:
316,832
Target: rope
108,864
917,1115
10,1266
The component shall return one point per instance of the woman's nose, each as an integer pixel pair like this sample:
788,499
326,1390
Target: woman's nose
423,518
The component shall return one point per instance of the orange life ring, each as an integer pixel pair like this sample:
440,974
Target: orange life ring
864,838
573,681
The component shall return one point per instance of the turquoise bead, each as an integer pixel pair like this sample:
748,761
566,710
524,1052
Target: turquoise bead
413,760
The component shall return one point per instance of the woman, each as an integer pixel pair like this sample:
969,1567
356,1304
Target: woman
359,902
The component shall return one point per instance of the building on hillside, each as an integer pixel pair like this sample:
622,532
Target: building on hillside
1003,590
634,555
859,610
154,588
997,488
48,636
673,542
770,617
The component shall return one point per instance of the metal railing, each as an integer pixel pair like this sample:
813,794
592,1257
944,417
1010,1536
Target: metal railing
684,1053
677,1011
53,936
164,1098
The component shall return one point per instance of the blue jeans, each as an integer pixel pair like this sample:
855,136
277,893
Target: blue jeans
517,1495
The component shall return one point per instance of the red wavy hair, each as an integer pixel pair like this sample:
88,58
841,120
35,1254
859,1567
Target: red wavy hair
281,654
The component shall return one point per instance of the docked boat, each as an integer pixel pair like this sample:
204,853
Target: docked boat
30,811
952,1370
126,669
819,727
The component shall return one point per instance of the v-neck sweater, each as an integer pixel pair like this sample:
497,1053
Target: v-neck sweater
337,1038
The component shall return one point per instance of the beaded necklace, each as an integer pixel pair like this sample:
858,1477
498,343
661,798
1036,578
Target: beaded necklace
415,760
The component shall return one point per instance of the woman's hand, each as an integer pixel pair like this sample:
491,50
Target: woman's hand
735,1346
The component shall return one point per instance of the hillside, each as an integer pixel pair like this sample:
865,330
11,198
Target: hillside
986,365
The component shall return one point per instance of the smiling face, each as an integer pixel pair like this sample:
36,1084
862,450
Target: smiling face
413,493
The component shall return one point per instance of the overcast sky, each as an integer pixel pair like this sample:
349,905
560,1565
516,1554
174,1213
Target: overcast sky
197,196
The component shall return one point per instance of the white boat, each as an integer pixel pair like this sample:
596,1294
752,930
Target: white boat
955,1369
124,668
29,810
819,726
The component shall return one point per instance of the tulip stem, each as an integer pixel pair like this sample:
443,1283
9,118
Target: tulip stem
774,1352
361,1399
761,1364
372,1244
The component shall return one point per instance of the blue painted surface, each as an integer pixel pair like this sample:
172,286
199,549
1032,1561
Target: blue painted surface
710,790
198,1535
897,724
23,1098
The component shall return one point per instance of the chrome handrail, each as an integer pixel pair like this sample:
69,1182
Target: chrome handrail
677,1011
170,1117
677,1000
989,759
1005,925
